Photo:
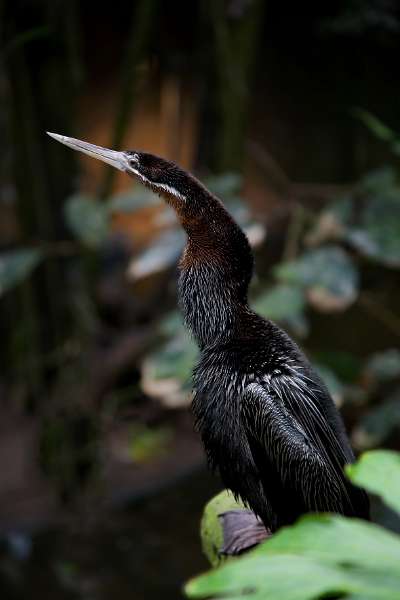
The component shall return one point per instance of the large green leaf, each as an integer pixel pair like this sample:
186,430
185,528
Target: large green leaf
379,472
319,555
374,428
166,372
175,359
16,265
369,219
334,539
328,274
281,302
161,255
284,303
377,232
226,186
384,366
87,219
132,200
255,578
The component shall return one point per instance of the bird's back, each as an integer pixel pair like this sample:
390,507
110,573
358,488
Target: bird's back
271,428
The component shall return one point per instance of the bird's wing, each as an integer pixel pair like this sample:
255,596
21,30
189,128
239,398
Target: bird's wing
302,454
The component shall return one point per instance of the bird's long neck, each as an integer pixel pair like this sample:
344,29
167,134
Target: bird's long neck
215,270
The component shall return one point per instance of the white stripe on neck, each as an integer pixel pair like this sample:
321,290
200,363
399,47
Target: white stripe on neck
162,186
171,190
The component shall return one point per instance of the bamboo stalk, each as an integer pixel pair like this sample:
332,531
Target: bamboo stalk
138,38
236,41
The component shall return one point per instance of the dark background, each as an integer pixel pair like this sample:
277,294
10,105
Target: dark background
289,112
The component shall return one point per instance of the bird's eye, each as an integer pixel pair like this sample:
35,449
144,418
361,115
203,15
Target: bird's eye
133,162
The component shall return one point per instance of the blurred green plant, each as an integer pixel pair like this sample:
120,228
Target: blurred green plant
379,129
68,450
147,443
16,266
320,555
327,275
334,250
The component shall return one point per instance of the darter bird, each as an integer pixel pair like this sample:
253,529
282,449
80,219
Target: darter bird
267,422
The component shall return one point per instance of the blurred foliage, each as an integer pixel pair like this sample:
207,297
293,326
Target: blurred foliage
87,220
335,247
328,276
16,266
87,328
357,17
320,555
286,304
379,129
68,450
146,443
66,275
384,366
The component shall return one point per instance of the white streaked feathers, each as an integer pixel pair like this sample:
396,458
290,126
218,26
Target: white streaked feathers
162,187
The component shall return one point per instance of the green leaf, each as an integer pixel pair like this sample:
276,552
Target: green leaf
226,186
384,366
369,220
375,125
24,38
345,365
146,444
87,219
396,147
328,275
161,255
166,371
379,472
319,555
381,181
284,303
130,201
335,539
379,129
175,359
378,424
294,578
17,265
377,233
281,302
332,382
172,324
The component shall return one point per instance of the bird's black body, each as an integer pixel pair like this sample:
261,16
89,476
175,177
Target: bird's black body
268,424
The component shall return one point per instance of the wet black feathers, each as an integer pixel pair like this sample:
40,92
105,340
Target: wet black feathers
267,422
270,427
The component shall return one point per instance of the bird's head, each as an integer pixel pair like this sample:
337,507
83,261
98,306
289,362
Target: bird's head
218,254
160,175
200,213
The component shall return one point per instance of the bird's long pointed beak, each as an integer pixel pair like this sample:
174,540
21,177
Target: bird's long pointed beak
116,159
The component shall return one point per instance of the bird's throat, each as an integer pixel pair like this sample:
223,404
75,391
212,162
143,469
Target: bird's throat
208,308
215,270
